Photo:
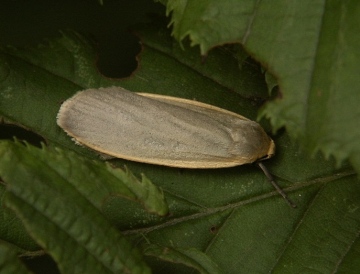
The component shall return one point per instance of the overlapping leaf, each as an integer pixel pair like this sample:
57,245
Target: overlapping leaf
311,47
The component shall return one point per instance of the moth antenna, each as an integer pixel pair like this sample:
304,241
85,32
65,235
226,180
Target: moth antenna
278,189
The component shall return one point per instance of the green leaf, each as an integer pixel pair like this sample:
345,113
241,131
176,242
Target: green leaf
103,182
311,47
9,260
58,197
11,229
232,215
190,257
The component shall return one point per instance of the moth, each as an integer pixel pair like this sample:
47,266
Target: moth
164,130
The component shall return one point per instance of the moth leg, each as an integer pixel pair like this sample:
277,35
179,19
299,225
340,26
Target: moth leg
272,181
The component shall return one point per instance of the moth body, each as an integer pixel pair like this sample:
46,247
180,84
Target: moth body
164,130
